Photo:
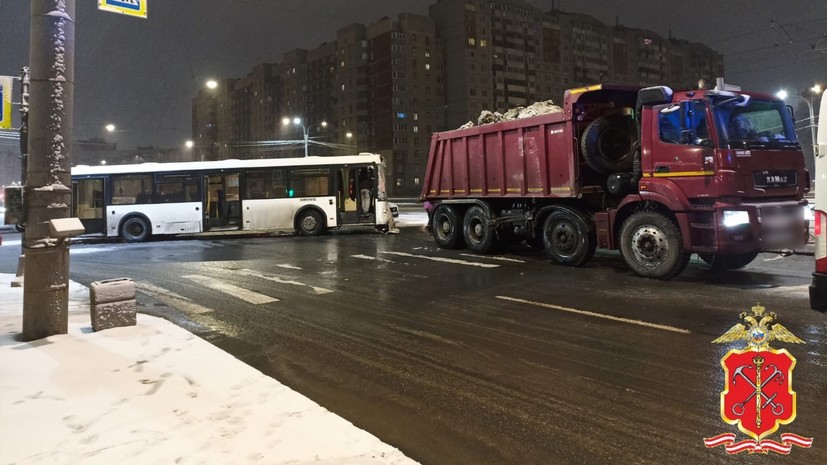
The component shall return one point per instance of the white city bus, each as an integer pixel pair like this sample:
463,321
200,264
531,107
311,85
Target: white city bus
818,290
306,195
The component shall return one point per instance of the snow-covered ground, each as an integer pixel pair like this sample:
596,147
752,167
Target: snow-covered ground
155,394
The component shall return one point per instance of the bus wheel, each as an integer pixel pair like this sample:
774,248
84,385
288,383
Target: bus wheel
447,227
477,231
135,229
310,223
651,245
568,238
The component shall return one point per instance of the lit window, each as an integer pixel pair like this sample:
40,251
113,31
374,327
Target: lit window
471,41
427,66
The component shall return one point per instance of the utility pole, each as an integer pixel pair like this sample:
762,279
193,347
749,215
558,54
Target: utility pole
24,158
48,189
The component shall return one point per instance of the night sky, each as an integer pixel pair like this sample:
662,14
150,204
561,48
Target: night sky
142,74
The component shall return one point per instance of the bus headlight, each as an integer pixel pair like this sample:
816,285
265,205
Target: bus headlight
734,218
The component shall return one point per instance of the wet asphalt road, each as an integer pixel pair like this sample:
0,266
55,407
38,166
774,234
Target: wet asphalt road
462,359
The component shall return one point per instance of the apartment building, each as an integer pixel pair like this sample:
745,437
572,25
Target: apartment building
386,86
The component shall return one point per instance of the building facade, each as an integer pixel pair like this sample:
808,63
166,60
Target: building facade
386,86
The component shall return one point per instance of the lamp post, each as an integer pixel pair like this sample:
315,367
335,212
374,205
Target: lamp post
305,129
815,90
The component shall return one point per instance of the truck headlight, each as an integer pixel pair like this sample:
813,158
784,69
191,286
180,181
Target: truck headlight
734,218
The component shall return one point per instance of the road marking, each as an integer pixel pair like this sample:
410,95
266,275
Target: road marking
229,289
255,274
289,267
367,257
445,260
489,257
597,315
172,299
86,250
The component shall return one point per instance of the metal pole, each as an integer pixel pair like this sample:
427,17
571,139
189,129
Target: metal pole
48,190
305,130
24,159
813,126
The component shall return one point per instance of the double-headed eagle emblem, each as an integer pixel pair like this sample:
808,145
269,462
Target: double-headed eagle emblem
758,395
758,330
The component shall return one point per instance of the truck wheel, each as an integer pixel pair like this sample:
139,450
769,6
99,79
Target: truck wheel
568,238
135,229
651,245
310,223
477,231
608,144
728,262
447,228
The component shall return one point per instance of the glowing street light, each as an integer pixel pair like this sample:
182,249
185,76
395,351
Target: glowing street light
305,129
211,84
189,144
815,90
110,127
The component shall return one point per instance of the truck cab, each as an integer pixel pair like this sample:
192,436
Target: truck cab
726,162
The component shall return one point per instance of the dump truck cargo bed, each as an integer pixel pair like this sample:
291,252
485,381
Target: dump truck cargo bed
530,157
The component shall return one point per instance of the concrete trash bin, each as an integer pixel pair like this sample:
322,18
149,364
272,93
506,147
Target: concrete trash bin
112,303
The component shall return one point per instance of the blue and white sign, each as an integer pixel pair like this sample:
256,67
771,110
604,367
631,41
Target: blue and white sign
125,7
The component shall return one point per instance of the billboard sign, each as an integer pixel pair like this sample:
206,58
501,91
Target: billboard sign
5,102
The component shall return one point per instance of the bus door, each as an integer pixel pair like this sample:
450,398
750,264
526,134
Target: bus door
356,194
222,204
87,199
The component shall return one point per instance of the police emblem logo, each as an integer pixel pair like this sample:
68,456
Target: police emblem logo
758,396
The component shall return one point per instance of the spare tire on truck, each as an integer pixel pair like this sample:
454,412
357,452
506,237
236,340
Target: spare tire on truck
608,144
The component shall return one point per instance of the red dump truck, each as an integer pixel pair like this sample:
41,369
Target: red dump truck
658,174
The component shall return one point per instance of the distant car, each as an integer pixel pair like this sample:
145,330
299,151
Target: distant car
394,210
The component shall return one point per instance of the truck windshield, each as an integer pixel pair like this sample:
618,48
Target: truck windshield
754,125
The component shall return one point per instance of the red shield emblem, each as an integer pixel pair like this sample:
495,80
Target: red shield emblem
758,394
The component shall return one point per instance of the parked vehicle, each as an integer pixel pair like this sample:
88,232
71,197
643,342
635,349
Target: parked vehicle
818,289
308,195
657,174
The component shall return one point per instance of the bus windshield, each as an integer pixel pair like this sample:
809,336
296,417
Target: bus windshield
754,124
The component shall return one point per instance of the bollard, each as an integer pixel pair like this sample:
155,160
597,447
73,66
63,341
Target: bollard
112,303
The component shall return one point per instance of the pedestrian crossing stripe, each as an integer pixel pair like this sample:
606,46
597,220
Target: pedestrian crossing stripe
253,297
135,8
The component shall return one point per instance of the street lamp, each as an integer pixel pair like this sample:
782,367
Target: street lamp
110,127
815,90
305,129
189,144
211,84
